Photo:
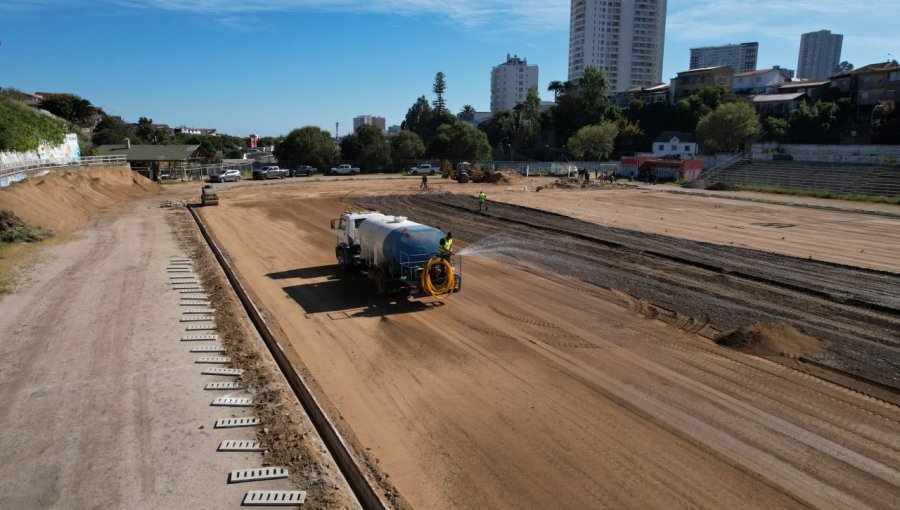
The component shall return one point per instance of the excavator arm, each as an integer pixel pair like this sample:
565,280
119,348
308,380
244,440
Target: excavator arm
447,170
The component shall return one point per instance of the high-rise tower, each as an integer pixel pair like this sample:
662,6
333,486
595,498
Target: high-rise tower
820,54
510,82
624,38
740,57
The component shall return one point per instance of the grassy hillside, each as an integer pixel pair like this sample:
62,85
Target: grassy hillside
23,129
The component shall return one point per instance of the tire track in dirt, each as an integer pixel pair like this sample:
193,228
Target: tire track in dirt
696,280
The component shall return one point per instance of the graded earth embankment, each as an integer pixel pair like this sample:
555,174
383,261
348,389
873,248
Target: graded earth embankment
68,199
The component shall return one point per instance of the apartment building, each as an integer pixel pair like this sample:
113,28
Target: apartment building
369,120
740,57
624,38
820,54
510,82
688,83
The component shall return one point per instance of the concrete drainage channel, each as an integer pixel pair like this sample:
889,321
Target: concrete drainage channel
365,493
196,310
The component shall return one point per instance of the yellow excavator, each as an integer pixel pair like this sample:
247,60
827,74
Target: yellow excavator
464,172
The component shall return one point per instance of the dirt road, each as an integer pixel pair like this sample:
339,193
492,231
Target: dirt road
540,389
103,404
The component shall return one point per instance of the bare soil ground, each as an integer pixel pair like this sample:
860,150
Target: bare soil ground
578,367
103,405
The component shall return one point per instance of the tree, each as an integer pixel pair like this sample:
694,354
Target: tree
775,127
149,133
530,116
368,146
406,146
459,141
70,107
843,67
813,123
631,137
886,123
418,117
557,88
107,137
310,145
729,126
594,94
439,87
467,113
594,142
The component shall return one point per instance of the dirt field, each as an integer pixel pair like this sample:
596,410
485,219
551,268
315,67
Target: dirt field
577,369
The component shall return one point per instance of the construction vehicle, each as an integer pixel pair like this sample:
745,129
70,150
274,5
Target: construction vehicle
397,254
464,172
208,195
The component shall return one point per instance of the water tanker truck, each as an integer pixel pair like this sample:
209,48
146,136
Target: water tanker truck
399,255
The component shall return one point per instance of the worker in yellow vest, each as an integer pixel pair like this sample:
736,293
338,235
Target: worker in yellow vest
481,199
448,242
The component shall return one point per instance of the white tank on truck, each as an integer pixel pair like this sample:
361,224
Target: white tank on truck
398,254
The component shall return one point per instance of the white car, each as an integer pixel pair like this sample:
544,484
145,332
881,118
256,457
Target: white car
425,169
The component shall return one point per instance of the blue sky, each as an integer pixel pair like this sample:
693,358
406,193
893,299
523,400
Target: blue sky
268,66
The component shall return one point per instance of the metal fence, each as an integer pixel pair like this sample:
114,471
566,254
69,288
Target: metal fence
15,172
198,172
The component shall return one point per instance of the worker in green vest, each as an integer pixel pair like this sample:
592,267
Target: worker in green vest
448,242
442,251
481,199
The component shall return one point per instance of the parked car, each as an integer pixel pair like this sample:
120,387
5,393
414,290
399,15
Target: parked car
269,172
304,170
425,169
344,170
226,176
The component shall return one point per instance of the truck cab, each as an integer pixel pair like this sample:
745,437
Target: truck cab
347,248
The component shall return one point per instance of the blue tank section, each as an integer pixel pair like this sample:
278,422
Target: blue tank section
415,244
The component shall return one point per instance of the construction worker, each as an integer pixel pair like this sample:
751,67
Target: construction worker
481,198
449,242
443,252
424,184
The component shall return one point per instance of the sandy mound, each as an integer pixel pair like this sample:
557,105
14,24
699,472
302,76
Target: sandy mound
66,200
510,176
565,183
770,340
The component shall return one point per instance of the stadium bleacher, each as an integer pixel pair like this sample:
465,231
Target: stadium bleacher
844,179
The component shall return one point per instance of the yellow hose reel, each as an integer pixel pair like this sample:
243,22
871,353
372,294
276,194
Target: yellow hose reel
446,287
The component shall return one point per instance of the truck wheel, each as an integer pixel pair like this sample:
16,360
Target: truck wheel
380,282
343,264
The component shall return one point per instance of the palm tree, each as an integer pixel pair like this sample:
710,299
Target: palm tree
557,88
467,112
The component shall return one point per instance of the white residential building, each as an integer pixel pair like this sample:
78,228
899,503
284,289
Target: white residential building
764,81
673,143
369,120
820,54
624,38
510,82
740,57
